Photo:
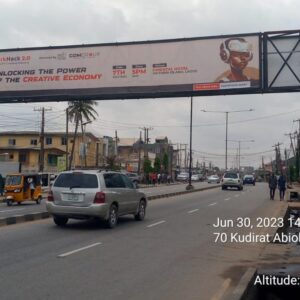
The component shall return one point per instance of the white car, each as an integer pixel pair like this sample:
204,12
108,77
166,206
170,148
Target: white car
213,179
195,177
183,176
232,179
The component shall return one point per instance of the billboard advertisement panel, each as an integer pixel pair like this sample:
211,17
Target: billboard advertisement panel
132,70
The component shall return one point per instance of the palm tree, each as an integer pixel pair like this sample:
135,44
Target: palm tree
79,111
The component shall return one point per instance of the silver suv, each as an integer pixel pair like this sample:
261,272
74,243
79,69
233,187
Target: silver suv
232,179
91,194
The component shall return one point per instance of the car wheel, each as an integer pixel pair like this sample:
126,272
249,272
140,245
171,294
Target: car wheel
39,200
141,211
224,188
112,217
60,221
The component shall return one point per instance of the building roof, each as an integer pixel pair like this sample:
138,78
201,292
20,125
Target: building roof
47,133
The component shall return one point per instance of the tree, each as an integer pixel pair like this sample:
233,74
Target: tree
79,111
147,168
111,161
157,165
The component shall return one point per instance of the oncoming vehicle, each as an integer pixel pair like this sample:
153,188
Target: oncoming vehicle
232,179
102,195
249,179
213,179
22,187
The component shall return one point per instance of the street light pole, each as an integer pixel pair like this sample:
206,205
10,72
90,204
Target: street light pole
226,141
226,135
190,187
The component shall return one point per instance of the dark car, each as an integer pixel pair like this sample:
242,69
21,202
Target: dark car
249,179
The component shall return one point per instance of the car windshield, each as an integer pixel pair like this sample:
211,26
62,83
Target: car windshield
78,180
231,175
13,180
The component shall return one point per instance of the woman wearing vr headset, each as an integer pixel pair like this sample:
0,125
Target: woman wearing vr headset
237,52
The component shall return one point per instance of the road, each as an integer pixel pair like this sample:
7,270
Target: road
29,207
170,255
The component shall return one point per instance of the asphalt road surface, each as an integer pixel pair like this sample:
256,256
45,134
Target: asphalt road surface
170,255
28,207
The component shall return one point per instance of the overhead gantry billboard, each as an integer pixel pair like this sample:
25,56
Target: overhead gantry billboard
168,68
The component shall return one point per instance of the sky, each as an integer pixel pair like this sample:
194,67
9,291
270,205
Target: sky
35,23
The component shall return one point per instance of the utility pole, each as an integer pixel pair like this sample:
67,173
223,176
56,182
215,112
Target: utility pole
286,164
291,139
277,158
298,148
116,145
42,137
139,163
146,139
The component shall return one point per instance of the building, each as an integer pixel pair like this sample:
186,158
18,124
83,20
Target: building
25,147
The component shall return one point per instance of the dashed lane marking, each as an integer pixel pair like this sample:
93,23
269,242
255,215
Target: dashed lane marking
155,224
78,250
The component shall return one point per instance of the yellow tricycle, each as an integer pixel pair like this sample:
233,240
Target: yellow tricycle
22,187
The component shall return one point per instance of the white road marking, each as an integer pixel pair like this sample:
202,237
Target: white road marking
212,204
11,210
78,250
192,211
227,199
237,195
155,224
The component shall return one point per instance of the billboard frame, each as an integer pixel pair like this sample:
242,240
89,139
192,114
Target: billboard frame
271,36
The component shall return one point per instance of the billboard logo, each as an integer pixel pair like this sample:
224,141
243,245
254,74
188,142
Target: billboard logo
9,58
62,56
82,55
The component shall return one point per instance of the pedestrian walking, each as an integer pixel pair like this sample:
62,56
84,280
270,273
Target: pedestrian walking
158,178
272,185
281,186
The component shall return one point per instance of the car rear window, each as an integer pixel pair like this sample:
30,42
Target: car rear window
78,180
114,180
230,175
